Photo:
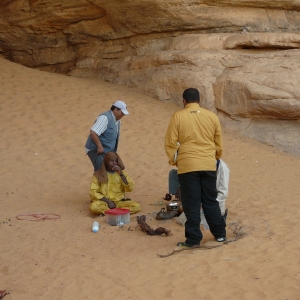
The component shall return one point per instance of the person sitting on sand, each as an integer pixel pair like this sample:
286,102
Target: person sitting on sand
222,184
109,185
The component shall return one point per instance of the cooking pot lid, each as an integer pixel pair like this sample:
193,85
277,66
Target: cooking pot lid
173,203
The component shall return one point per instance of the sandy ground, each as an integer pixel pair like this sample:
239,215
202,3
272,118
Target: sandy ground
45,120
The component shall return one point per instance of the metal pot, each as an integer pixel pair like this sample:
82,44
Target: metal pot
175,205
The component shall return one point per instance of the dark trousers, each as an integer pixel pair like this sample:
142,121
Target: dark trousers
198,188
96,159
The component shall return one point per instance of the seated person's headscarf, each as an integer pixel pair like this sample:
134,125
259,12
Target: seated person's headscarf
101,174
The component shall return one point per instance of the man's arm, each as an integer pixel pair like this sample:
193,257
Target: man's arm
127,182
130,184
218,139
96,140
109,203
120,172
171,141
124,179
98,128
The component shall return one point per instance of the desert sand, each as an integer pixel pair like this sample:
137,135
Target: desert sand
45,120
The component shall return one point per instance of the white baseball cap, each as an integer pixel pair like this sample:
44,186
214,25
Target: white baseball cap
121,105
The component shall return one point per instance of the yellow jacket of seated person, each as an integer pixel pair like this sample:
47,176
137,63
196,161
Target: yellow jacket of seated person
114,189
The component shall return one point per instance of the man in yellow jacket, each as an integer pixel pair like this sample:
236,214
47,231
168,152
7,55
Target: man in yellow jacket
193,143
109,185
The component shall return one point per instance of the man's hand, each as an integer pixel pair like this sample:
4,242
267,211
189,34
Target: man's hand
96,140
109,203
117,169
100,150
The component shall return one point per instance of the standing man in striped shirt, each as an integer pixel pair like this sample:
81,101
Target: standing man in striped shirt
193,142
105,133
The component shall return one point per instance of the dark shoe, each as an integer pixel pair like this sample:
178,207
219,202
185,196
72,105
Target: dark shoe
184,246
168,197
166,215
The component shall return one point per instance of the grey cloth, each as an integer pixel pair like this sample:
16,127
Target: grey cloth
173,182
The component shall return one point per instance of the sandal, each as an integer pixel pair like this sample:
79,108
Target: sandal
166,215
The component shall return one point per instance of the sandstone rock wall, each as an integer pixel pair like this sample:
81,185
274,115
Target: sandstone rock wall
242,55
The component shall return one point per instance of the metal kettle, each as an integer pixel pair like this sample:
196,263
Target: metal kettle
175,205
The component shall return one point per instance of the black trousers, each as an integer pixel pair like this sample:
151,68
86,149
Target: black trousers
96,159
198,188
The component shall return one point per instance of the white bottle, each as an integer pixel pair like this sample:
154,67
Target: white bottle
95,227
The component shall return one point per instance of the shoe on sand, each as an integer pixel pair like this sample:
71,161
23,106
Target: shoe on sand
184,246
221,239
166,215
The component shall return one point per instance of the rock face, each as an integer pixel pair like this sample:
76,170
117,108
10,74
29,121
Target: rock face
242,55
